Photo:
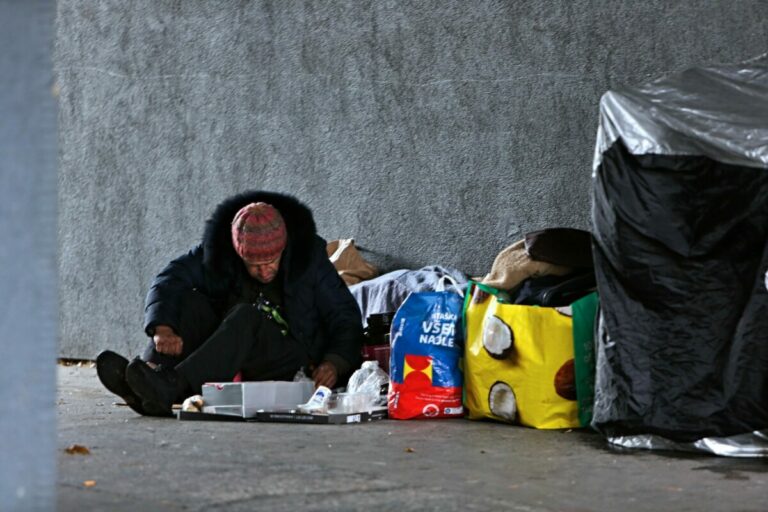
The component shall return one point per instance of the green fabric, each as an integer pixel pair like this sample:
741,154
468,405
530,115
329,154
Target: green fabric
584,313
273,314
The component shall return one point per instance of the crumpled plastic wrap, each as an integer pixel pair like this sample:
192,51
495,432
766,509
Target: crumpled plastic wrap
753,444
369,378
715,111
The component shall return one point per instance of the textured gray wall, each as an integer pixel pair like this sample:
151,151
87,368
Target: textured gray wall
28,272
433,132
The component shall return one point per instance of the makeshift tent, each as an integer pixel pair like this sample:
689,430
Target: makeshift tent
680,219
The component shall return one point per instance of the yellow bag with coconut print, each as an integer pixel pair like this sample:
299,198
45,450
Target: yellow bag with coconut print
519,362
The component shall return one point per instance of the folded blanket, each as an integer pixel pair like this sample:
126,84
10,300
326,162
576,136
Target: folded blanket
512,266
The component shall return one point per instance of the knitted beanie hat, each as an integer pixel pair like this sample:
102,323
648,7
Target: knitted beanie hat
258,233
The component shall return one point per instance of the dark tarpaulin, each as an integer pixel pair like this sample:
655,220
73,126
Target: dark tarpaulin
681,252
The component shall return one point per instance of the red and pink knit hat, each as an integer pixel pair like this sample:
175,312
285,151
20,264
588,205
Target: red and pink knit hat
258,233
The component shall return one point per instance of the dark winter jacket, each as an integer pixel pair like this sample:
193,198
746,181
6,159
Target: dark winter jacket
321,312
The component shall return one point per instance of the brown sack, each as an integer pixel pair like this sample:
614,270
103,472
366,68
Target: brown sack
513,265
349,263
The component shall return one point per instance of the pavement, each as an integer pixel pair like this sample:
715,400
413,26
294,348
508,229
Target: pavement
151,464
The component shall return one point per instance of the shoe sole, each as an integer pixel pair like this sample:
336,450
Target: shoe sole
137,379
110,368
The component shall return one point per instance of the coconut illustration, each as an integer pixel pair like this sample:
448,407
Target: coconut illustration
498,339
502,401
565,381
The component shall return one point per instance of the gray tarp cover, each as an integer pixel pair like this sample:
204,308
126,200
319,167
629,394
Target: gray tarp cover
716,111
387,292
680,220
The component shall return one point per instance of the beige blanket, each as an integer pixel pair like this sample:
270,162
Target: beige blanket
512,266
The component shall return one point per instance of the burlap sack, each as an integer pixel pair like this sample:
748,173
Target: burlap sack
349,263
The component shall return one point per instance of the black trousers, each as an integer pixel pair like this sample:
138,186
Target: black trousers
216,349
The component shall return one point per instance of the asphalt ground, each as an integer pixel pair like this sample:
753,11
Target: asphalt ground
151,464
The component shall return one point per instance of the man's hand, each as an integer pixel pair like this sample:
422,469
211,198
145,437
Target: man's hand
325,375
167,341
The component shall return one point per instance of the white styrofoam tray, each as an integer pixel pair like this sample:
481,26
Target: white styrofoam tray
245,398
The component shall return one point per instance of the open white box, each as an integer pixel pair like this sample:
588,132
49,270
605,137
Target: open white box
246,398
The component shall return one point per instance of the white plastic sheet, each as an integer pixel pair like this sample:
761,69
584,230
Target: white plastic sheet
688,114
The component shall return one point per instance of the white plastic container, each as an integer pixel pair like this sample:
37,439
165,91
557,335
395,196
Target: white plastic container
246,398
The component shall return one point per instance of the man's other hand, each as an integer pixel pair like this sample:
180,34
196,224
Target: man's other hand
325,375
167,341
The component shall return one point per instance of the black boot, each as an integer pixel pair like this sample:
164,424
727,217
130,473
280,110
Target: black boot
157,388
110,367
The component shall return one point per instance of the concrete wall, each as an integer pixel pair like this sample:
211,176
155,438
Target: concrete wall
433,132
28,272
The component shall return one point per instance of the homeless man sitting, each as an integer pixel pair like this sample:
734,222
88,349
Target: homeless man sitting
258,297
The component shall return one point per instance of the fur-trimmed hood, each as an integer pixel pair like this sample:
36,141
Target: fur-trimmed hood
218,253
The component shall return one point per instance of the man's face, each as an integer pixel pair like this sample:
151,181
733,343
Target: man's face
263,271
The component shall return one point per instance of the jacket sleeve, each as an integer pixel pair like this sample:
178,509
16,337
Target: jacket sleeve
341,318
162,305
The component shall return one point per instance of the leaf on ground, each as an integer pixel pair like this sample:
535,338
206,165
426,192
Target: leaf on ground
77,449
89,483
409,450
